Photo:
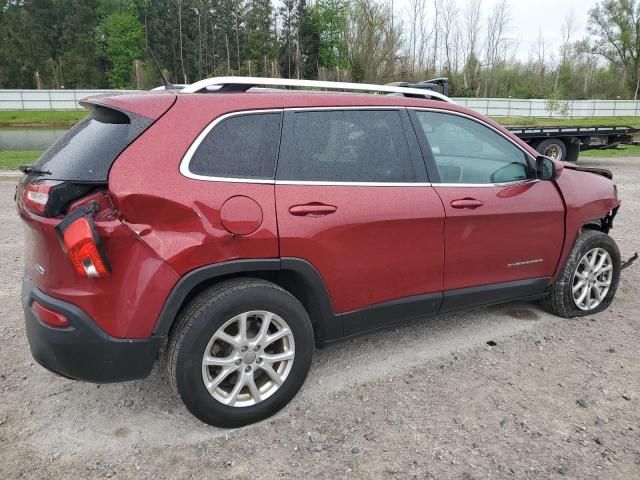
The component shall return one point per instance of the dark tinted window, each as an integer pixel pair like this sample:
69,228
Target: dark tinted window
242,146
466,151
345,146
87,151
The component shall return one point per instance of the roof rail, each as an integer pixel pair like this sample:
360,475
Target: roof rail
242,84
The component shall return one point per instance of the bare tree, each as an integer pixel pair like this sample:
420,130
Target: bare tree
541,48
373,42
425,34
179,8
472,22
498,23
434,63
449,26
568,30
415,11
226,41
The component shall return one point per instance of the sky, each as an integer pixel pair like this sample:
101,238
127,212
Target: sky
528,17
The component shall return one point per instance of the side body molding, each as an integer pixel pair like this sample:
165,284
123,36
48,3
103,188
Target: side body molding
303,280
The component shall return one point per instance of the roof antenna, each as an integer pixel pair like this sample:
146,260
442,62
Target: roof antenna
167,84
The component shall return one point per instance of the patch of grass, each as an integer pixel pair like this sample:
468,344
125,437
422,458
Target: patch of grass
621,151
633,122
41,118
12,159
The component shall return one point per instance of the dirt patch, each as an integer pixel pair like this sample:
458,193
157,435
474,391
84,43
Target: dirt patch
522,314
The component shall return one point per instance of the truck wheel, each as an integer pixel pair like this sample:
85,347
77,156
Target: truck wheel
240,352
553,148
589,280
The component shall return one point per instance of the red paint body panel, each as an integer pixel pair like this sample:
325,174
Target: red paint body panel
241,215
517,223
179,217
588,197
126,303
151,105
380,244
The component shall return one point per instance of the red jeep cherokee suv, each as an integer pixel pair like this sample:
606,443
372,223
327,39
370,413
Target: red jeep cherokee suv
239,227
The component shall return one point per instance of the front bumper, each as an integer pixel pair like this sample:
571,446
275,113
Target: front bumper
83,351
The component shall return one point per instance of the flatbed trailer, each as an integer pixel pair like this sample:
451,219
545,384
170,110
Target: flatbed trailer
565,143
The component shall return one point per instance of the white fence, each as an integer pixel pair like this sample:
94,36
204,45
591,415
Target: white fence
45,99
495,107
513,107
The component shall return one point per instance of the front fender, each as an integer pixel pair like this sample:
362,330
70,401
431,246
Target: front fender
589,197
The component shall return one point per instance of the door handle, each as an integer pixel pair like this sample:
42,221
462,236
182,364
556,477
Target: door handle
314,209
470,203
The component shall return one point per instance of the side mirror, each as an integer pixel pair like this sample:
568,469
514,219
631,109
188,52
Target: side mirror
547,169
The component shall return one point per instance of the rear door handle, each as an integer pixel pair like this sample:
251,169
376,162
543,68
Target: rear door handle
314,209
470,203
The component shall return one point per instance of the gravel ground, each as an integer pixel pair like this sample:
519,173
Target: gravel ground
552,398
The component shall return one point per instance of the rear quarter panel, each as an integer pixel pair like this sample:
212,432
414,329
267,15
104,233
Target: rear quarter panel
179,217
126,303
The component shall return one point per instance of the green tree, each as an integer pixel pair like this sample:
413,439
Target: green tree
373,42
616,26
330,20
261,45
287,58
122,36
308,41
77,54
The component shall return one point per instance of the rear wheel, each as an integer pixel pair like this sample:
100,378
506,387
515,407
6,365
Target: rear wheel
553,148
589,280
240,352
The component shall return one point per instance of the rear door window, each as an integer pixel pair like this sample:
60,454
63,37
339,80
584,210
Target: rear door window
345,146
241,146
87,151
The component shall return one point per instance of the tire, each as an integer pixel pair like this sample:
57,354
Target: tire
226,304
560,299
553,148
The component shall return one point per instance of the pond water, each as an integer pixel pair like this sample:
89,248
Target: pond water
29,138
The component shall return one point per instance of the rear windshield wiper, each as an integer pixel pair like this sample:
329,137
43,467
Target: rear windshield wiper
29,169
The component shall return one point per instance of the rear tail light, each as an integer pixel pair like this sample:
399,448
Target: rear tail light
49,317
82,244
36,196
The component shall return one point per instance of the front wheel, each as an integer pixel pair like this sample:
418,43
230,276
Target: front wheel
240,352
589,280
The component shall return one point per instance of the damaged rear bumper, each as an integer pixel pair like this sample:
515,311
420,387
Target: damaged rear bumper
83,351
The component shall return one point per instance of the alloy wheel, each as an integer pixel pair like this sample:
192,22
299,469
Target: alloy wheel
592,279
248,358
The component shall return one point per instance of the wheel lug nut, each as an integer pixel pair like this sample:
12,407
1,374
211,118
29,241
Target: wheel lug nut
256,348
247,368
244,348
238,362
259,360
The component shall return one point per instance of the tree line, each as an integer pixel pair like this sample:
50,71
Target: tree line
104,44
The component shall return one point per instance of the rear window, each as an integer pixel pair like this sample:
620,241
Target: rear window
88,150
242,146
